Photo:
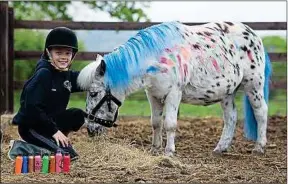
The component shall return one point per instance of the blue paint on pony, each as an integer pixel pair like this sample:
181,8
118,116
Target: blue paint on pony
130,60
152,69
250,123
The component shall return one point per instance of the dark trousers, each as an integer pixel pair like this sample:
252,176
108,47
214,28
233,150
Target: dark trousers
70,120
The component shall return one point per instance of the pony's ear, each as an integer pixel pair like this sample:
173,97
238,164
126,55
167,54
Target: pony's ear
102,68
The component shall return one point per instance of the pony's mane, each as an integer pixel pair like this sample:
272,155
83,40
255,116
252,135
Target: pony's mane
131,59
88,73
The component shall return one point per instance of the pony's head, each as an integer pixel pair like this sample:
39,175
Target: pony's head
102,103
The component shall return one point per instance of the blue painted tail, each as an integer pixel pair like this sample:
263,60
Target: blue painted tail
250,123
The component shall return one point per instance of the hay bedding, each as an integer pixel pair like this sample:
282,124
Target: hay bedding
123,156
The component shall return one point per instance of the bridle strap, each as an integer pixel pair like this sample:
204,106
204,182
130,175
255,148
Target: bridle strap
106,123
108,98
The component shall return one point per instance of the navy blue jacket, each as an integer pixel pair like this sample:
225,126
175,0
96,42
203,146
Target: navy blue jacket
45,95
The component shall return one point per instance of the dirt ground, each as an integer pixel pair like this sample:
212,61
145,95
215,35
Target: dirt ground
123,156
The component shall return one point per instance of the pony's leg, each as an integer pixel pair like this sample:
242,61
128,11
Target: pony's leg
172,103
230,119
156,120
260,109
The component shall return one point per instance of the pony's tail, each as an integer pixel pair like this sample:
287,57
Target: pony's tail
250,123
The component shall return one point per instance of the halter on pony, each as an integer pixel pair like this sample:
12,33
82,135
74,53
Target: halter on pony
108,98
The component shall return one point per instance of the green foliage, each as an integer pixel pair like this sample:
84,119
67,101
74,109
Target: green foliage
275,44
57,10
40,10
279,70
123,10
27,40
78,65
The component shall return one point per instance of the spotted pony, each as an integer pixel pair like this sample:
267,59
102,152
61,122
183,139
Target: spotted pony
174,63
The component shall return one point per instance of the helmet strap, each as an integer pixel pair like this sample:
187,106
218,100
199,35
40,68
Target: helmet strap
74,54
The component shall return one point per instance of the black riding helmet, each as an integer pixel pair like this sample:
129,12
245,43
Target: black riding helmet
62,37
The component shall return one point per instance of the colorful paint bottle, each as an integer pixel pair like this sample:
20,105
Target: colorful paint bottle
59,162
18,164
25,164
66,163
31,164
52,164
38,164
45,164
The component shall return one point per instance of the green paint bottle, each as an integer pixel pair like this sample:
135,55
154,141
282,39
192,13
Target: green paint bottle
45,164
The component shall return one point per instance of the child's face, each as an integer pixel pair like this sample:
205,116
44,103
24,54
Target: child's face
61,56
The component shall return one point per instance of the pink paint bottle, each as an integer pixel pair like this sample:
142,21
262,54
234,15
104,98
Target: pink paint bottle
59,161
38,163
66,163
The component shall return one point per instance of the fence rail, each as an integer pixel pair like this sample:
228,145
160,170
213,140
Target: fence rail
28,24
90,56
8,55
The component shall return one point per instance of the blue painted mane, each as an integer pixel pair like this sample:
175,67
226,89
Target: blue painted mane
132,58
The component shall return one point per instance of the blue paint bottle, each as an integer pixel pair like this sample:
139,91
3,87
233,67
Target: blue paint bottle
25,164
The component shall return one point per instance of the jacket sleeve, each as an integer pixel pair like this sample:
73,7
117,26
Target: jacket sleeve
35,96
73,78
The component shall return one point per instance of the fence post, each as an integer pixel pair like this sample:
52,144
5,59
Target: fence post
11,60
4,57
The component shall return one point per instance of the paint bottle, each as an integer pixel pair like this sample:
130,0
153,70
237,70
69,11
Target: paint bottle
31,164
52,164
45,164
25,164
59,161
38,163
18,164
66,163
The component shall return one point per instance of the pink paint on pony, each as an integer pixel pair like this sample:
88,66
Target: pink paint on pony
249,55
166,61
163,60
215,64
185,54
180,67
185,70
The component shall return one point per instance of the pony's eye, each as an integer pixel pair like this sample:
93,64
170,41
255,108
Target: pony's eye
93,94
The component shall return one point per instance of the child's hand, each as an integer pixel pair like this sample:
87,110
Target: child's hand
60,137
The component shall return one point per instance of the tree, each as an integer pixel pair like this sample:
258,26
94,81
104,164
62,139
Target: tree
27,40
57,10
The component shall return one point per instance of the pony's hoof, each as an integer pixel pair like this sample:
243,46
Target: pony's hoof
258,150
217,152
169,154
155,151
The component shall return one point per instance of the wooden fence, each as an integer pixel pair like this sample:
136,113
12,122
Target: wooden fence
7,54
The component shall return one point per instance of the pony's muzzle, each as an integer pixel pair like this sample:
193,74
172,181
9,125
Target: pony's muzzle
94,129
